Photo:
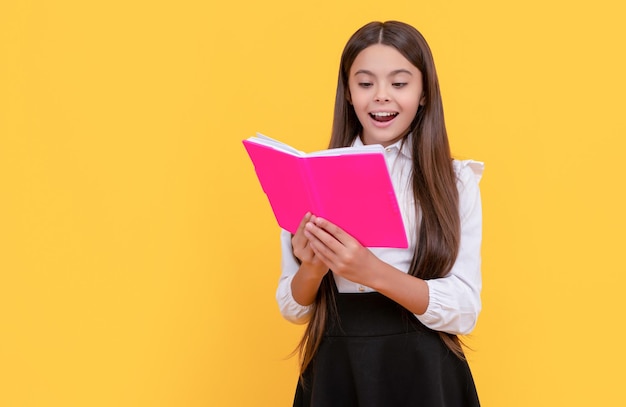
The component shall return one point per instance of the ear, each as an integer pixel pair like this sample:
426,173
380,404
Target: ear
348,96
422,100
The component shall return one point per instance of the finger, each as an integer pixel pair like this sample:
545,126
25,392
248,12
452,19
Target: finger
303,222
298,238
321,251
321,240
335,231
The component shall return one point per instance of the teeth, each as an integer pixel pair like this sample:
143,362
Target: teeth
383,114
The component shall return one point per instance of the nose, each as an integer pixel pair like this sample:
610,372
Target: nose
381,95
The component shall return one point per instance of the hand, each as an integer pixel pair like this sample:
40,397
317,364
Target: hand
303,251
340,252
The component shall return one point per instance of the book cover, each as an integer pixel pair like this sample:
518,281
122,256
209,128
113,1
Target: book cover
351,187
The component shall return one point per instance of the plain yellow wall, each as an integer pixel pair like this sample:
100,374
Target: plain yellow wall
139,256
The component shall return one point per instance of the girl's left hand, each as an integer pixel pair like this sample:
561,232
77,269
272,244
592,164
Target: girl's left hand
342,253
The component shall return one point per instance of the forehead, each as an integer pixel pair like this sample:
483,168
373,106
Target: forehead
381,59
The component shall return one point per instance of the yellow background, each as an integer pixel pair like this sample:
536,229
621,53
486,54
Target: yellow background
139,256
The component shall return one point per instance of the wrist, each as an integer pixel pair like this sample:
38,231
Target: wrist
306,283
312,271
375,273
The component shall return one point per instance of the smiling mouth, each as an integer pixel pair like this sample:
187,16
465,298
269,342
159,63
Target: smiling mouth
383,116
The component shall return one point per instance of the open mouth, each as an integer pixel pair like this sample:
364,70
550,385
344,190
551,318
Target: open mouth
383,116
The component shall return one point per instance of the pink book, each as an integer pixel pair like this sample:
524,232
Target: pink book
350,187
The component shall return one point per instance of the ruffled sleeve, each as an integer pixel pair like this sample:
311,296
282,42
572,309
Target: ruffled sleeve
454,300
289,308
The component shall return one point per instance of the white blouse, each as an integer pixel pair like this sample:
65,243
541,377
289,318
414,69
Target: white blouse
454,300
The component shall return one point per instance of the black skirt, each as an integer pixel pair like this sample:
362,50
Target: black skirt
375,353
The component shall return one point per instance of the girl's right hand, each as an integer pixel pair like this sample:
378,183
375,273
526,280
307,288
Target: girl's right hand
302,250
306,281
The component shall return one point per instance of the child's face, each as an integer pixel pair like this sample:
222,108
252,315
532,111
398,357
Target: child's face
385,91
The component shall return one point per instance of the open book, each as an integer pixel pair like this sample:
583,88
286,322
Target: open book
350,187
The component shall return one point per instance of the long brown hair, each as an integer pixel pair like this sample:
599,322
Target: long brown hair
433,178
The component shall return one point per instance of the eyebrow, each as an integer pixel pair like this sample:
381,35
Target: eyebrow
397,71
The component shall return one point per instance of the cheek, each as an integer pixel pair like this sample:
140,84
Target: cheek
411,103
358,95
357,101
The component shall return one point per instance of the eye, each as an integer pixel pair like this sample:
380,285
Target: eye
365,84
399,84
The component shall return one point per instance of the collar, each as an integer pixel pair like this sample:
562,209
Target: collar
403,145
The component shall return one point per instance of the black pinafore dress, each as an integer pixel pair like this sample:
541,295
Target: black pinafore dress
375,353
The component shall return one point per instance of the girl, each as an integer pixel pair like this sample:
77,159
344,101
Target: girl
382,322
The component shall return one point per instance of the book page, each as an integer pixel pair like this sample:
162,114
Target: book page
278,145
275,144
372,148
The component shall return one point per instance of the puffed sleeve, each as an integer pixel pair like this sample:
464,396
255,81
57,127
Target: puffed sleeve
289,308
454,302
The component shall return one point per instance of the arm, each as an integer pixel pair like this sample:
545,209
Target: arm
455,299
349,259
301,275
450,304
